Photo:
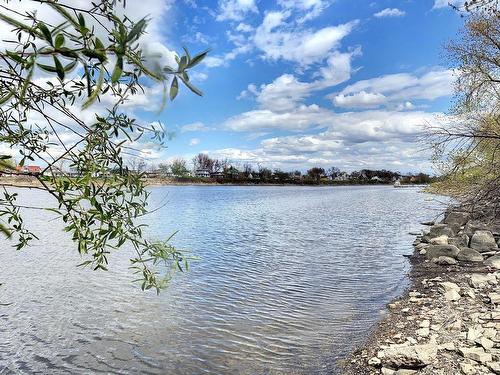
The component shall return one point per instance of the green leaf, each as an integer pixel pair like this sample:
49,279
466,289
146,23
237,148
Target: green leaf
59,68
98,44
192,88
118,70
97,90
47,68
14,56
45,32
183,63
197,59
59,41
174,88
137,30
95,54
70,66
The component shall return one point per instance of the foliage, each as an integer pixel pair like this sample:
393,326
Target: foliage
466,147
93,59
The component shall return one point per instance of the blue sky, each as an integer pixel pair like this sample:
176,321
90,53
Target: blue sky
293,84
297,83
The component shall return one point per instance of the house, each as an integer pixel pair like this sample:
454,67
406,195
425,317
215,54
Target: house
376,179
33,170
342,177
202,173
217,175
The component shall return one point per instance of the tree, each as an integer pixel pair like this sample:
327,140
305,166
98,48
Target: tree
179,167
316,173
94,61
467,147
333,172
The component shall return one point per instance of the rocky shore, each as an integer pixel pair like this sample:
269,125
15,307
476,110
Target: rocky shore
449,320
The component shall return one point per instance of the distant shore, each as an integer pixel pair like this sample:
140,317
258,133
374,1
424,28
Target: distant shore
31,182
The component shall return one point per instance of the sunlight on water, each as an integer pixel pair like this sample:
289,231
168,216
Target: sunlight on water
289,280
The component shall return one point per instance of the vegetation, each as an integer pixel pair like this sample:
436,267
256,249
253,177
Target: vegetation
92,59
466,147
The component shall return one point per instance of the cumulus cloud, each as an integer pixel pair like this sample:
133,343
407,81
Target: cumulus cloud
194,127
446,3
393,88
276,40
390,12
194,141
235,10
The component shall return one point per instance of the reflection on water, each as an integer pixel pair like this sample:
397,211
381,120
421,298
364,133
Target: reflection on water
290,279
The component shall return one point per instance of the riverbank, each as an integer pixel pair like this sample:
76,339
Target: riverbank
448,321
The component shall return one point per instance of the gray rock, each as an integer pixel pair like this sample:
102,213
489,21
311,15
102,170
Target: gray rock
456,217
476,354
472,226
441,240
444,261
436,251
481,281
483,241
494,366
441,230
493,262
469,255
461,240
410,356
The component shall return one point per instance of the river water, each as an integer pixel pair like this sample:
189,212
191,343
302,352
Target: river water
289,280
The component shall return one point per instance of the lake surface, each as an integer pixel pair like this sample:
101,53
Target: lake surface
290,280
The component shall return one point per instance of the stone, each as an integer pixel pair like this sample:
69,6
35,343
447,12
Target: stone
415,356
387,371
493,262
444,261
450,346
476,354
425,324
423,332
494,367
435,251
441,240
481,281
494,298
461,240
474,333
440,230
456,217
483,241
472,226
374,362
487,344
467,368
469,255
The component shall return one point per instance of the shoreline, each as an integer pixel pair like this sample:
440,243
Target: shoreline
447,321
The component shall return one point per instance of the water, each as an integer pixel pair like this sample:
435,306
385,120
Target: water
290,280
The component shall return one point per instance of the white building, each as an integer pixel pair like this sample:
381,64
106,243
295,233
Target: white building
202,173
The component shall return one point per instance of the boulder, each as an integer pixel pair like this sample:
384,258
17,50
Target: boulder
444,261
436,251
461,240
440,230
441,240
483,241
469,255
493,262
476,354
456,217
478,280
450,290
473,226
410,357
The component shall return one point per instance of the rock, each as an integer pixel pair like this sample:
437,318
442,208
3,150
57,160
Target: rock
456,217
425,324
469,255
483,241
423,332
481,281
494,366
387,371
474,334
450,346
415,356
493,262
472,226
440,230
421,246
451,291
427,223
374,362
435,251
485,343
476,354
441,240
461,240
467,368
423,252
444,261
494,298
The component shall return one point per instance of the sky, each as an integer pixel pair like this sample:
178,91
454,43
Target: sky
293,84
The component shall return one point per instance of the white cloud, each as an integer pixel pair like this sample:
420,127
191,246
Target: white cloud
194,141
395,88
446,3
309,9
235,10
194,127
276,40
390,12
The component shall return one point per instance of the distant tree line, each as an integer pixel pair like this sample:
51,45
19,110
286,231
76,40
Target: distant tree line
204,168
